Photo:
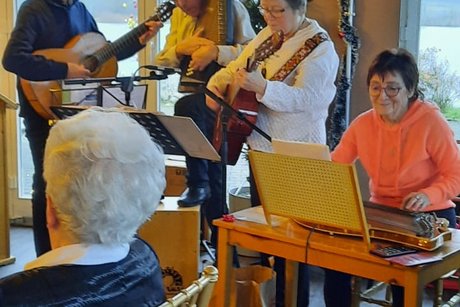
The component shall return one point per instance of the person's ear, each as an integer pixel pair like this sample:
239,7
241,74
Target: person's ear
51,217
411,93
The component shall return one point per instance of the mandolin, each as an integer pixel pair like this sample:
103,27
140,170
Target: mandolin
243,101
90,50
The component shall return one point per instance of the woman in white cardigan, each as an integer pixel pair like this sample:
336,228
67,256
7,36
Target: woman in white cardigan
293,99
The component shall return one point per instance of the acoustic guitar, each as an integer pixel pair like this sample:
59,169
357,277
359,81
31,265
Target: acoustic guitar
243,101
92,51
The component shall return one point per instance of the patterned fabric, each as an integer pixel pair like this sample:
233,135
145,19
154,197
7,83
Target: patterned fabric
302,53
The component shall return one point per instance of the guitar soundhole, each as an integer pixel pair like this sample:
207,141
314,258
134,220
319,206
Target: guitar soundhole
91,63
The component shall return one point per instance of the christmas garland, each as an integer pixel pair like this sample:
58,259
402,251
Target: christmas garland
337,121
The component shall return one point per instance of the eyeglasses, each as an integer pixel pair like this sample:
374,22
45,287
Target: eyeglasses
390,91
275,13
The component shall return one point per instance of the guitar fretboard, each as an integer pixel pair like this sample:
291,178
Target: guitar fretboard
110,50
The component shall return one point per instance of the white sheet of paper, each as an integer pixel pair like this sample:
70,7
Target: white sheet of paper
300,149
189,136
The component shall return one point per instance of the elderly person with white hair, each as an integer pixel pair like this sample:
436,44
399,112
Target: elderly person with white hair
102,184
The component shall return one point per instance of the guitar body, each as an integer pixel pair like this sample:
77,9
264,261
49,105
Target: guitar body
44,94
244,102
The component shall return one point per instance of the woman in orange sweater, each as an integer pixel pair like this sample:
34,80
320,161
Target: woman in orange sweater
404,143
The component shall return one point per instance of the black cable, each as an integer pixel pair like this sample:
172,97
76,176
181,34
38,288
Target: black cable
308,243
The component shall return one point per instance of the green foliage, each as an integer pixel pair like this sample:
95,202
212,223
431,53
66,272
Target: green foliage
257,20
437,82
452,114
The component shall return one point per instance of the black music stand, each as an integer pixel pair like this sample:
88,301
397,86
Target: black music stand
226,114
177,135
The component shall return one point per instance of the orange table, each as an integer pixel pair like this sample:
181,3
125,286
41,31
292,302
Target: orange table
341,253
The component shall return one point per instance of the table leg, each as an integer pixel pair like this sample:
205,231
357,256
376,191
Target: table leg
291,276
224,263
413,291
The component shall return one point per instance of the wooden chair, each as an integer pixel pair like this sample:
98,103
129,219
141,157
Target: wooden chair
439,290
198,294
368,295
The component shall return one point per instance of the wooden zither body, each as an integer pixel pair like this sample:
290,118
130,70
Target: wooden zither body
418,230
325,196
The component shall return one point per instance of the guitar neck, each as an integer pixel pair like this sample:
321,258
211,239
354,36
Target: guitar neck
130,38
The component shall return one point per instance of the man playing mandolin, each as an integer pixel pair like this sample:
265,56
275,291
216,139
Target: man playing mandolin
44,24
187,38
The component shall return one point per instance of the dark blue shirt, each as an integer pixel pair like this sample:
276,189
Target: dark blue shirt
135,280
44,24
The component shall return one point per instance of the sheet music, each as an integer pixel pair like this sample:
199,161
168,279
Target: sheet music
301,149
189,136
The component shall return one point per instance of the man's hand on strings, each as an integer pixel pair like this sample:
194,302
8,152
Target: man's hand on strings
203,56
251,81
77,71
153,28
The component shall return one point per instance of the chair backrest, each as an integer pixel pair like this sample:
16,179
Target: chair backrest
198,293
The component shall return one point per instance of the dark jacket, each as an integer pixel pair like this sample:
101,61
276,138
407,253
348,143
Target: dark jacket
134,281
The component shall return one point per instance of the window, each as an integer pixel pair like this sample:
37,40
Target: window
168,94
431,29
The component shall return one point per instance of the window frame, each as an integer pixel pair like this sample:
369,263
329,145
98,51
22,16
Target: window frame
409,26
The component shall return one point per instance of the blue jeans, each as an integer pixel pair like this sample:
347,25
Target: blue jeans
337,289
36,131
203,173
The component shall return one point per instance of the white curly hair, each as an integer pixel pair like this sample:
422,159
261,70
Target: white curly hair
104,175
